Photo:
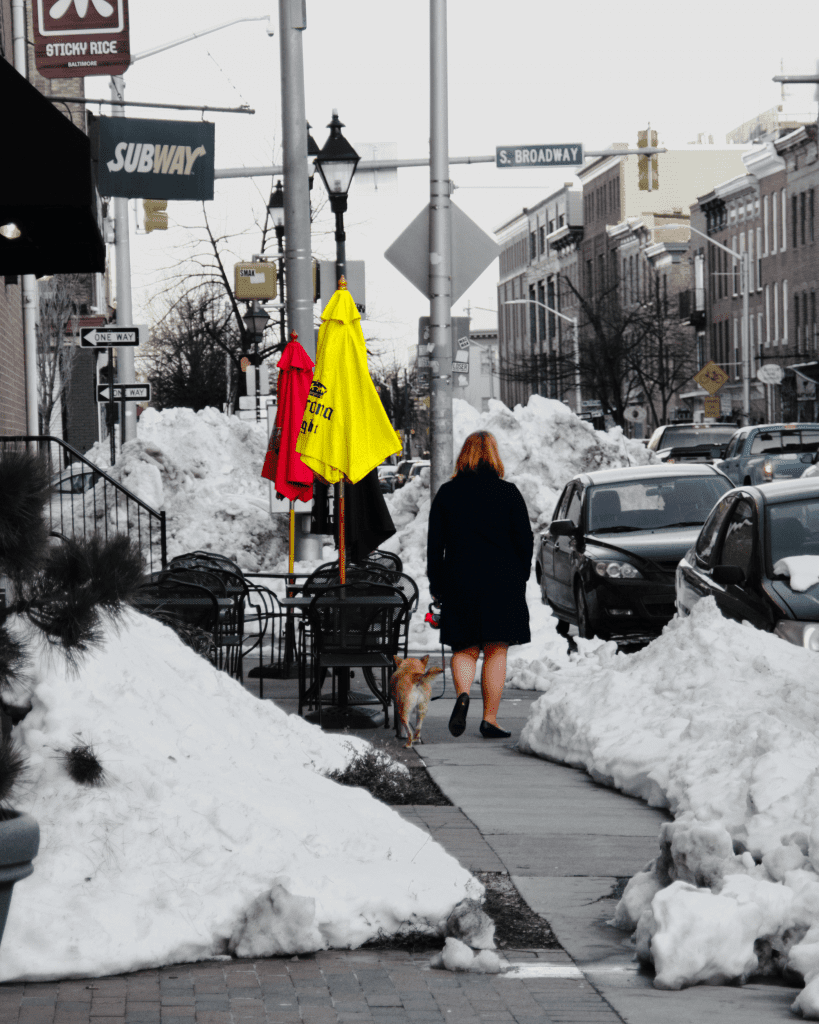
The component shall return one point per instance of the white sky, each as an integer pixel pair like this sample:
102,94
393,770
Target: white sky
519,73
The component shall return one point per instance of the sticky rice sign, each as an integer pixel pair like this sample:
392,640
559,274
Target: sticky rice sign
141,159
75,38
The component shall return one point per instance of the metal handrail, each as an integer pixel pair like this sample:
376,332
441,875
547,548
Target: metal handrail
72,456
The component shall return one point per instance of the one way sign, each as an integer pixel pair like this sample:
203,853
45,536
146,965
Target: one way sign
124,393
112,337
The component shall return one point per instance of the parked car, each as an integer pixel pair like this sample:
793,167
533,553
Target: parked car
77,479
691,442
401,472
757,455
386,478
747,557
416,468
607,561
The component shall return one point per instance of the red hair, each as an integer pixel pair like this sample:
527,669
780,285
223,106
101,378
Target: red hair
479,449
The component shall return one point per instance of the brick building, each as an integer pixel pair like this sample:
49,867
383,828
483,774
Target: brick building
65,229
770,214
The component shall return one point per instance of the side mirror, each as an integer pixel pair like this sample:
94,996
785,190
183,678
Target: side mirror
562,528
717,452
807,457
728,574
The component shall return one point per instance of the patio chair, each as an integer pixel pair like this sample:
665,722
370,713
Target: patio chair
351,626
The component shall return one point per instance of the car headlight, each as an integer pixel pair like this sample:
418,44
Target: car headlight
803,634
618,570
768,469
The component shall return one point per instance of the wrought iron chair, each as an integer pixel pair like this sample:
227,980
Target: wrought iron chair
354,625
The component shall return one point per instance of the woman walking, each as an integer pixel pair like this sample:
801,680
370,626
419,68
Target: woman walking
479,555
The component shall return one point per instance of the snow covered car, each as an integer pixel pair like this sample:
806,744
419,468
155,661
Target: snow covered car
757,455
691,442
757,555
607,561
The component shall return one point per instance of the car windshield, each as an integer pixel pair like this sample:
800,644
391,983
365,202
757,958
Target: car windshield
654,503
793,529
785,442
685,437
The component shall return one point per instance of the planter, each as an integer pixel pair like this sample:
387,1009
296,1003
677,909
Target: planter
19,843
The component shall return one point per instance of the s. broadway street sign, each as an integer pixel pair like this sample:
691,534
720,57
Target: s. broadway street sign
112,337
541,155
124,393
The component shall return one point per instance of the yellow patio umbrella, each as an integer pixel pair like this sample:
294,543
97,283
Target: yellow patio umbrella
345,433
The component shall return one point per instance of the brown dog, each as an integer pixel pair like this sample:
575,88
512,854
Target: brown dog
411,692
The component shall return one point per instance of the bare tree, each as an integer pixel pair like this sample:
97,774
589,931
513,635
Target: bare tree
60,298
191,348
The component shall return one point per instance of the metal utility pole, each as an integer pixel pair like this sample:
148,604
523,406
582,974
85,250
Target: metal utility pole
440,253
29,281
297,253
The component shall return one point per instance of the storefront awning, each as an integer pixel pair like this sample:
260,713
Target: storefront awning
46,187
810,371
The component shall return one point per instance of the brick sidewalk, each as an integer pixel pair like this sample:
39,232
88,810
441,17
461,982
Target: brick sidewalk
348,987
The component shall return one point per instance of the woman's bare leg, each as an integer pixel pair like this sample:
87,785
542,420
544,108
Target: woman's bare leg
463,665
493,679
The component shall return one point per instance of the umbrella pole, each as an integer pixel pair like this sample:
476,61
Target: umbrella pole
292,536
342,540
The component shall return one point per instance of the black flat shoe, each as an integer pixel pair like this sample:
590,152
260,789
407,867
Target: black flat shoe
457,720
492,732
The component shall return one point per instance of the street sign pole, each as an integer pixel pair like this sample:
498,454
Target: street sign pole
111,407
440,254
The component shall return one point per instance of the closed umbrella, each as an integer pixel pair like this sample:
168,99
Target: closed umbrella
345,433
283,465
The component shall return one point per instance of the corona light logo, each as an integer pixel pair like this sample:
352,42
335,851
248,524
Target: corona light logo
317,389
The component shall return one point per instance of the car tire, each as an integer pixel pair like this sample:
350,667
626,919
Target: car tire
585,625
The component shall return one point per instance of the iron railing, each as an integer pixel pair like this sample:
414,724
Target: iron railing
86,500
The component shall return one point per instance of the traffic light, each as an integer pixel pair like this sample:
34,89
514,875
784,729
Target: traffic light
155,214
648,177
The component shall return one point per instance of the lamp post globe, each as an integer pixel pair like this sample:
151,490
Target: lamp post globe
337,162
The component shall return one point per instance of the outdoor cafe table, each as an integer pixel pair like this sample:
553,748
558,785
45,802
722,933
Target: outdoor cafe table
303,602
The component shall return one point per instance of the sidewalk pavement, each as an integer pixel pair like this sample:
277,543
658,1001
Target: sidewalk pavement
565,842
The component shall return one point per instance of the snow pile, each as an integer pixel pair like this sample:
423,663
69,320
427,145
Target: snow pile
802,571
214,831
204,470
730,744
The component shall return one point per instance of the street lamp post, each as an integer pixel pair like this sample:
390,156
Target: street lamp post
745,283
276,208
575,337
336,164
256,320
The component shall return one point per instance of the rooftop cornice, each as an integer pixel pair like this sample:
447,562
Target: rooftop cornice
736,187
763,161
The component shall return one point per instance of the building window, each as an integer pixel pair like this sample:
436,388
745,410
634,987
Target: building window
784,221
802,218
811,214
765,223
814,340
784,312
767,316
533,246
543,240
736,267
735,354
759,259
797,326
759,329
561,220
794,224
774,224
776,313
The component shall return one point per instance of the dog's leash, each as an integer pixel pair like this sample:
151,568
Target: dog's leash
434,619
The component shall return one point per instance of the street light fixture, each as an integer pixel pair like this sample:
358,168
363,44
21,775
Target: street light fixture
275,207
312,152
576,337
336,164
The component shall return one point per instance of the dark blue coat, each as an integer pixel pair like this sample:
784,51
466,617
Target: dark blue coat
479,556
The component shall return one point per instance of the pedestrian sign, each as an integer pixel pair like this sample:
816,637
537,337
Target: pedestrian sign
711,377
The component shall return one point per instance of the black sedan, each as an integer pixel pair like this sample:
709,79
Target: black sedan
607,561
750,557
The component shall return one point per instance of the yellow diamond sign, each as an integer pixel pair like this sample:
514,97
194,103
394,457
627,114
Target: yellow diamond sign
711,377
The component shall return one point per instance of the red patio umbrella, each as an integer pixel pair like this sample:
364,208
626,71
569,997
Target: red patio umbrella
291,478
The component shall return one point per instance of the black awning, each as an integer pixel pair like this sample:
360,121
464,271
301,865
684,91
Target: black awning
810,371
46,187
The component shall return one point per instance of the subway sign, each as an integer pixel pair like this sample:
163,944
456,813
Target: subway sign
146,159
542,155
